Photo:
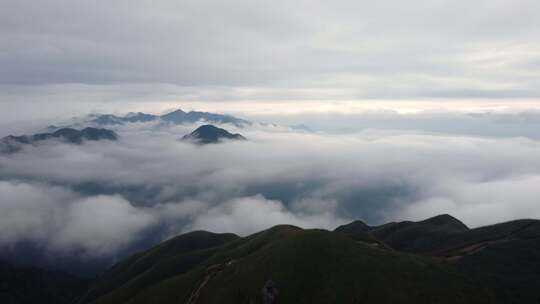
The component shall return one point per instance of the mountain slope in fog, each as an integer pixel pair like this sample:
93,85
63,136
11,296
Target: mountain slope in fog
13,143
175,117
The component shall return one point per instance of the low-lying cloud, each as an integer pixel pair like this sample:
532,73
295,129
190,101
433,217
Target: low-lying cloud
104,199
62,221
497,200
257,213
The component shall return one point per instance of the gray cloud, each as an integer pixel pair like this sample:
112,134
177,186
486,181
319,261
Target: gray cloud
487,123
28,209
482,202
257,213
101,225
311,49
62,221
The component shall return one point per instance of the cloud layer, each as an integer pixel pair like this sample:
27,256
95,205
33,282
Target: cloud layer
256,50
104,199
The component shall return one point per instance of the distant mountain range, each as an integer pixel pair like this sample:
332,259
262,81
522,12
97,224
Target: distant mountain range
13,143
205,134
175,117
438,260
209,134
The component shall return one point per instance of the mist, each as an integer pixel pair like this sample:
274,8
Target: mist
104,199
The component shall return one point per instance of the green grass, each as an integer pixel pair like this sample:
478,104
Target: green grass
308,266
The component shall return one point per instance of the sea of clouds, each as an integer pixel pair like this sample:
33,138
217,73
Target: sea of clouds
106,199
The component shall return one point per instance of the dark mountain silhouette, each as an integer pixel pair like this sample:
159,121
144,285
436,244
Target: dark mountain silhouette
284,264
163,261
505,257
209,134
13,143
417,237
437,260
354,227
29,285
175,117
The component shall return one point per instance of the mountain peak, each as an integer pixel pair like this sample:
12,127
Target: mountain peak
356,226
176,112
174,116
447,221
207,134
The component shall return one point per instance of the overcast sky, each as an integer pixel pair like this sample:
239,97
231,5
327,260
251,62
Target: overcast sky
82,55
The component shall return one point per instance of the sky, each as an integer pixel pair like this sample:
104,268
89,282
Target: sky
413,109
71,56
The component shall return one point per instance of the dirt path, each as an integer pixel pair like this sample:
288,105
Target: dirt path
211,272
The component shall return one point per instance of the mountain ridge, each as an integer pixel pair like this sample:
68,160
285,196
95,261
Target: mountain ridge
498,263
13,143
505,256
300,266
174,117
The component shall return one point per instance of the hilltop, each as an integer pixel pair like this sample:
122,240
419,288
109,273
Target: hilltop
209,134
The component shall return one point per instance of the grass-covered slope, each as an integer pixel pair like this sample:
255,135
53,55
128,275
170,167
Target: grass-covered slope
170,258
299,266
424,236
505,257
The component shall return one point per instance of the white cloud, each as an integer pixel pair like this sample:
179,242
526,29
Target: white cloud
59,220
102,198
248,215
29,212
480,202
101,225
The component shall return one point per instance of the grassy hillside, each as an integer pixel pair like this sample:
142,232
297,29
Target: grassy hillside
504,257
424,236
173,257
304,266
